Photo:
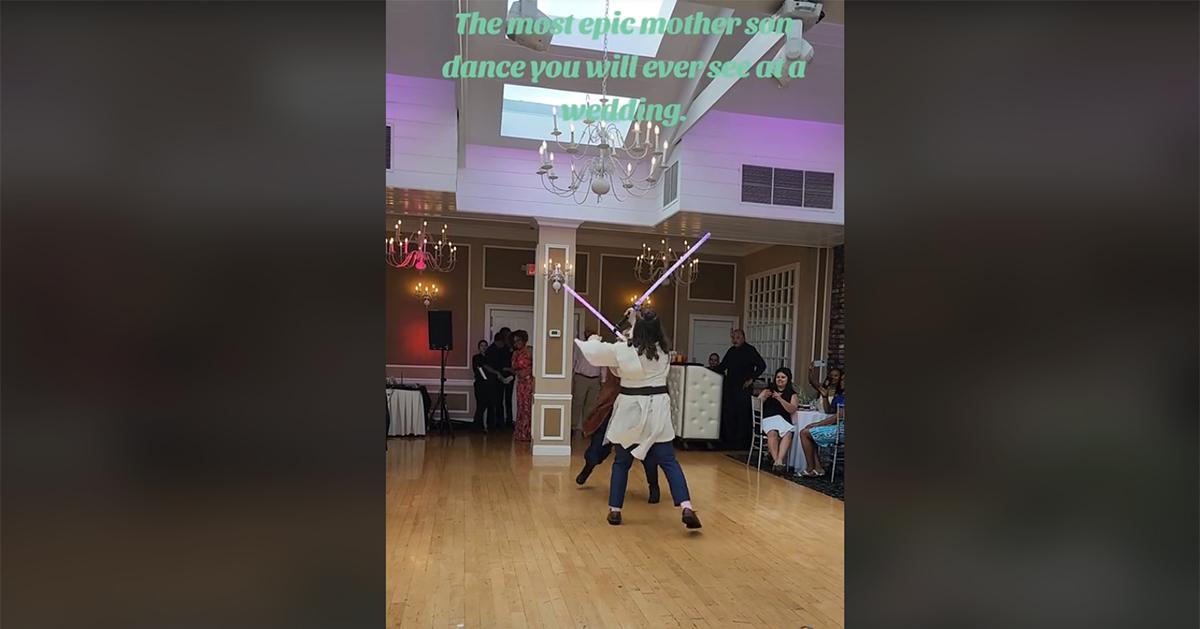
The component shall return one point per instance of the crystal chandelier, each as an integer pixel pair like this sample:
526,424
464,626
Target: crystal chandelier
602,160
417,251
653,263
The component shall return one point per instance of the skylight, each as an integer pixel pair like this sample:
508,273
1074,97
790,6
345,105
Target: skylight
641,45
526,112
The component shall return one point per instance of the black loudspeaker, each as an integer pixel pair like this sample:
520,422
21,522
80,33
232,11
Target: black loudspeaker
441,330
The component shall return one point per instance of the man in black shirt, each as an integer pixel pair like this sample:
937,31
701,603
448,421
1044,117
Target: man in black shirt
497,363
741,365
485,416
507,394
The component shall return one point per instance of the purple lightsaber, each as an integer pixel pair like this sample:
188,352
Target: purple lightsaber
583,301
662,278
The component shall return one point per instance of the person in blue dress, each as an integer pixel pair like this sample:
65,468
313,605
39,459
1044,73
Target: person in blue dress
825,432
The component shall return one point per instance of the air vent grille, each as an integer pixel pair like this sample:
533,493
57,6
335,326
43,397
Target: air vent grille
784,186
671,184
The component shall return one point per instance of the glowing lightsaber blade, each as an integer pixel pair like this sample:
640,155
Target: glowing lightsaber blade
662,278
591,309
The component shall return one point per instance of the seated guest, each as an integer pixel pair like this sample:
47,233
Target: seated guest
823,433
780,401
714,362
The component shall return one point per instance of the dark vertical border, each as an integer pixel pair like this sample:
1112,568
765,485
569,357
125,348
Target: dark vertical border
1022,202
192,314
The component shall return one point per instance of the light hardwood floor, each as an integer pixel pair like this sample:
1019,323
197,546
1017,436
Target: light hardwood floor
480,534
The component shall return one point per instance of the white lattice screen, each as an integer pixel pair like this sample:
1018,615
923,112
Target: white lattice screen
771,316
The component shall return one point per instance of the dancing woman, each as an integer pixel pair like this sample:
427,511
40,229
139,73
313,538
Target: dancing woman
641,418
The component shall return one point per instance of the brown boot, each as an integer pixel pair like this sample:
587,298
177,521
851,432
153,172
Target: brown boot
690,519
614,518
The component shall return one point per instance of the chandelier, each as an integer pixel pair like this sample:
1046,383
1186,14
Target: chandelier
651,264
417,251
602,160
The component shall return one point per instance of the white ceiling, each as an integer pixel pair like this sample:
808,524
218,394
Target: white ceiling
421,37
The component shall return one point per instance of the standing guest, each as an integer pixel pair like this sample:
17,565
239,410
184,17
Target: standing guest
498,366
741,365
507,395
585,387
641,417
483,387
522,365
714,362
780,401
823,433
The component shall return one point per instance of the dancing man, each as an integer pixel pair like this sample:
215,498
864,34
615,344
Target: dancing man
596,426
641,416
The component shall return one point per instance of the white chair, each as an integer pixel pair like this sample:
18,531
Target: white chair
758,440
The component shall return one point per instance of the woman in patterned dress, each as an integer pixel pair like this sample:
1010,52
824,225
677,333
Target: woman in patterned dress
522,365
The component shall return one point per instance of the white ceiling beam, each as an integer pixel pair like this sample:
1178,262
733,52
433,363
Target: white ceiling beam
751,53
689,89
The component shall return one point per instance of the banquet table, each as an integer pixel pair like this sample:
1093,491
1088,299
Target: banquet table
406,410
800,419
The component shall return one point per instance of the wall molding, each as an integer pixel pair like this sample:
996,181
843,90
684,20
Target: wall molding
552,396
587,255
564,427
600,289
567,316
511,290
732,285
546,450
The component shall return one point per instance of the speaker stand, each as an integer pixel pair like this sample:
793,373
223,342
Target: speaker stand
444,426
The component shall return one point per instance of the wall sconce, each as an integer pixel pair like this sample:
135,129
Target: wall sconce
425,292
557,275
633,300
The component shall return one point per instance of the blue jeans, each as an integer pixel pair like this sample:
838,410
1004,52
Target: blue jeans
660,455
597,451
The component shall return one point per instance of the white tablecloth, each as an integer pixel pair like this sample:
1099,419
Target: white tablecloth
801,419
408,412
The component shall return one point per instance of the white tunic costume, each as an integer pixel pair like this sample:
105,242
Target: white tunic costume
636,419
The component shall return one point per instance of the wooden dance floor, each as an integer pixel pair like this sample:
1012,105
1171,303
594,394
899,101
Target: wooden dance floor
479,534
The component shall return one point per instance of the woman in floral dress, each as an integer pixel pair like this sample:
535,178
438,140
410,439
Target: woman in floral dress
522,365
